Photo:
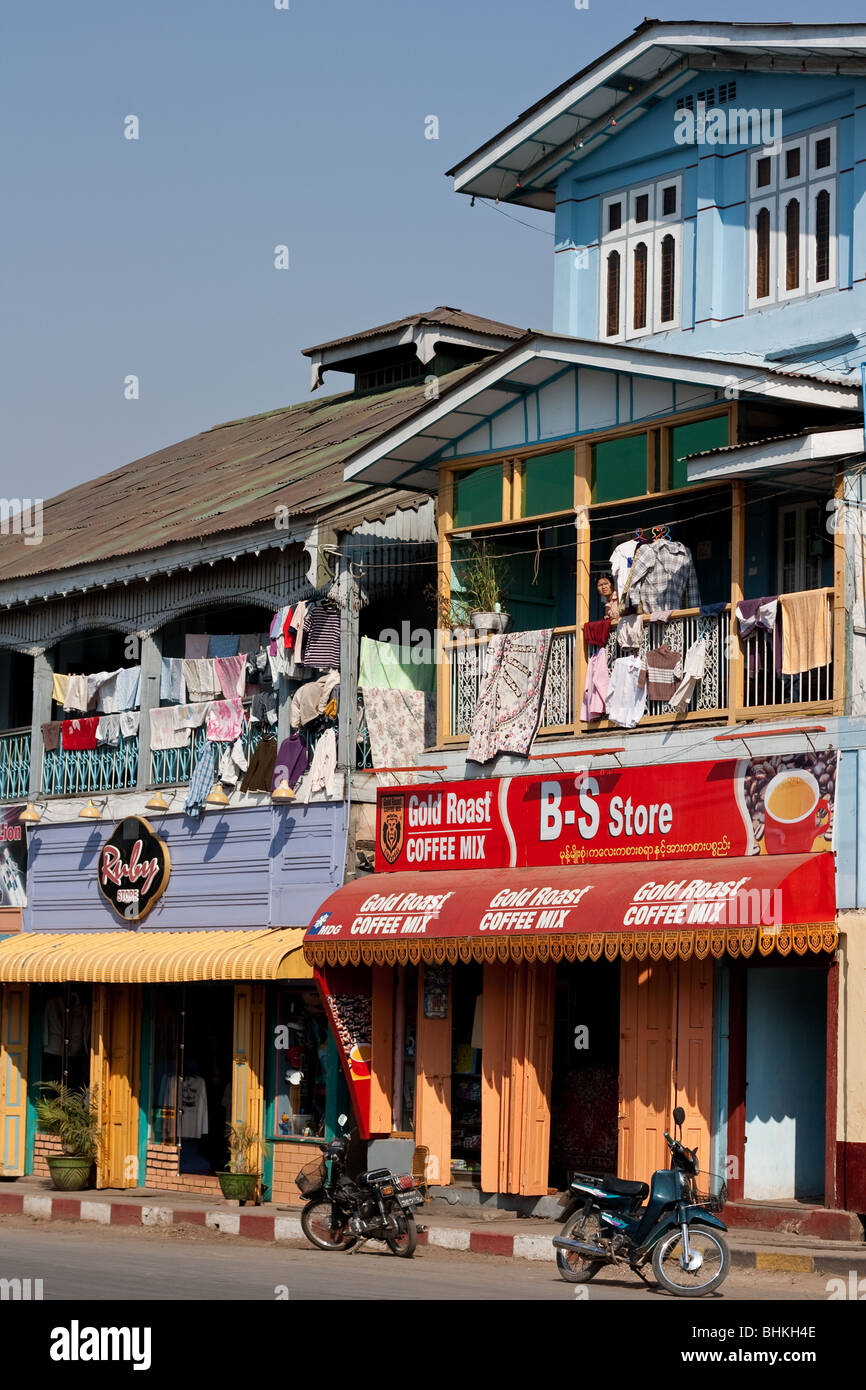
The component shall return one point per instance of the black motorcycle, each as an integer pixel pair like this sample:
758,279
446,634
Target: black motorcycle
677,1229
342,1212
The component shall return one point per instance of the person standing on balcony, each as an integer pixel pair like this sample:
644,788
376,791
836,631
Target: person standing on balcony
610,600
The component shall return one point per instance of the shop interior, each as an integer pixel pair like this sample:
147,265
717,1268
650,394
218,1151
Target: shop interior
192,1073
300,1063
584,1094
66,1019
467,1013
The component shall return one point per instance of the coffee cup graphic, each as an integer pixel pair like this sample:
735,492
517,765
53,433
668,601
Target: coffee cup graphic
794,812
359,1060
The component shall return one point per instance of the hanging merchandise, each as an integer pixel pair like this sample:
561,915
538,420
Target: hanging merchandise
79,735
201,681
200,782
172,686
663,576
231,674
323,768
805,631
664,671
694,668
508,710
626,697
322,637
756,621
76,694
166,731
596,686
121,691
224,721
259,774
310,699
291,761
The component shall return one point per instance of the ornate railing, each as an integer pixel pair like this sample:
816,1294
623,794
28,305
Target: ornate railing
170,767
464,658
764,684
110,767
14,764
681,631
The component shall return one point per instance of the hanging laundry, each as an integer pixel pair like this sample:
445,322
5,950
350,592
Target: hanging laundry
200,677
756,624
165,728
259,774
629,631
595,687
323,768
172,686
508,710
712,610
121,692
310,699
196,645
79,735
192,716
664,671
386,667
95,683
233,762
200,782
264,708
287,630
399,727
597,633
108,729
263,667
248,643
661,615
291,762
330,710
625,701
76,693
621,562
694,668
221,644
805,631
297,625
130,719
322,637
663,576
277,622
51,735
60,688
224,720
230,672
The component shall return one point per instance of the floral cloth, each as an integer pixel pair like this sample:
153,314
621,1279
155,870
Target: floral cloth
508,712
400,724
224,721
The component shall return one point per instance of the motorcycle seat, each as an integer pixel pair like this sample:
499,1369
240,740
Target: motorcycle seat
374,1175
620,1188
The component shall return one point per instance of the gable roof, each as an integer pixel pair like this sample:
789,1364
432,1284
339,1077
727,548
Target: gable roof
443,317
522,163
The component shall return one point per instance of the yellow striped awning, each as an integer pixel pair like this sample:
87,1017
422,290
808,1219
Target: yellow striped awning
153,957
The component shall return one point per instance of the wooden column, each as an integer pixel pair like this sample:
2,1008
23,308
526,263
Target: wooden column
737,1079
582,498
832,1099
736,663
433,1089
43,681
443,590
382,1051
840,655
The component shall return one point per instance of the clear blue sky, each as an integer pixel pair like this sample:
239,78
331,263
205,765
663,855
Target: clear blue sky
258,126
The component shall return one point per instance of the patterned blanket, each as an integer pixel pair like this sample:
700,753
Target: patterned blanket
508,712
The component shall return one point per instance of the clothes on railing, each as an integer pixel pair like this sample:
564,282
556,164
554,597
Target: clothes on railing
166,728
508,711
664,671
79,735
107,692
595,687
629,632
625,701
663,576
233,762
130,720
400,724
323,768
597,633
310,699
756,618
108,729
694,668
51,735
259,775
200,783
224,720
291,761
383,666
805,631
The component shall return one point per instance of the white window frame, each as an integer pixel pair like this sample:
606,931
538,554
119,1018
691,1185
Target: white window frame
775,196
626,237
800,511
676,231
756,302
796,195
632,244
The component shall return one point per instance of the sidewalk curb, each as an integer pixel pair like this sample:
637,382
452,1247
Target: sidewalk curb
257,1224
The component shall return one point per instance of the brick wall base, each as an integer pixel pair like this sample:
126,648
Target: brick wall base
289,1159
45,1144
161,1172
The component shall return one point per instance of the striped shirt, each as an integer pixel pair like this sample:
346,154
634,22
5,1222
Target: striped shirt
322,637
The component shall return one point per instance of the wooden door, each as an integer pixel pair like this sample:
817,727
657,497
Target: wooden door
114,1081
516,1062
693,1063
14,1018
433,1089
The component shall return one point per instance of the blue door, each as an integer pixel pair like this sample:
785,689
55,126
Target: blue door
785,1084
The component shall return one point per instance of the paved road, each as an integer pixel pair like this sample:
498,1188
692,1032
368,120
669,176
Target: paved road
78,1262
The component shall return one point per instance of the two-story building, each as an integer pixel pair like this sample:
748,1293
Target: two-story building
627,874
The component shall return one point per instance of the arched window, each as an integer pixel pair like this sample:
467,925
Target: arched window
792,245
762,257
640,285
822,236
613,281
668,271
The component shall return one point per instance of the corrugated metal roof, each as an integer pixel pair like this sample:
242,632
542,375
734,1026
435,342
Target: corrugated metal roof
444,317
226,478
758,443
154,957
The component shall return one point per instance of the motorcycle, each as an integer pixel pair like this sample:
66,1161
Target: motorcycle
342,1212
677,1230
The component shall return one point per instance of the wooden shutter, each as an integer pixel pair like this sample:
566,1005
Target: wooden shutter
668,273
114,1080
693,1063
613,279
822,236
640,285
646,1065
248,1061
792,245
762,254
14,1018
516,1061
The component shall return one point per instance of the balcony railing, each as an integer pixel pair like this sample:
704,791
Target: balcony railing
110,767
171,767
14,764
724,692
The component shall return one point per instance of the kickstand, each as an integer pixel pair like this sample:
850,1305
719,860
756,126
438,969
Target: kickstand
641,1275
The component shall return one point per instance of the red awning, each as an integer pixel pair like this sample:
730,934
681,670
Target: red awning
667,909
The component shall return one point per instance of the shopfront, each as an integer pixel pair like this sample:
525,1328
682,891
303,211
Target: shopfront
543,967
180,1004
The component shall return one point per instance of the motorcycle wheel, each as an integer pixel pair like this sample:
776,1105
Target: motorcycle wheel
317,1225
575,1268
404,1244
714,1270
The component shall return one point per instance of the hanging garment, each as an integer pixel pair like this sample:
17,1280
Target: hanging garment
664,671
121,692
108,729
663,576
596,634
264,708
626,697
629,631
278,621
296,624
95,683
231,674
166,730
805,631
596,686
172,686
233,762
200,782
224,720
76,694
193,1123
712,610
291,762
248,643
79,735
310,699
330,710
222,644
72,1023
611,610
51,735
288,631
694,667
386,667
620,564
59,688
661,615
259,774
130,719
196,645
323,768
508,711
398,726
756,624
192,716
322,637
201,682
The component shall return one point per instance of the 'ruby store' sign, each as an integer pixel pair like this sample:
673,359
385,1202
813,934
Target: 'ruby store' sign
134,866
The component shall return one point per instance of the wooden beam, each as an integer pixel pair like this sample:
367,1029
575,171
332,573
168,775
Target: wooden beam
582,499
734,654
840,654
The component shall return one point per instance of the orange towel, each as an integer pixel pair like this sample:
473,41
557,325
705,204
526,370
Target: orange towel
805,631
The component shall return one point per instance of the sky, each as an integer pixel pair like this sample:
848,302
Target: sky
154,258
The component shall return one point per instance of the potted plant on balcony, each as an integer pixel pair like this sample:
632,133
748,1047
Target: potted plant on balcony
241,1181
73,1116
483,593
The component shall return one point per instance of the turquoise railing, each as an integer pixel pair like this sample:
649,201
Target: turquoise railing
110,767
171,767
14,764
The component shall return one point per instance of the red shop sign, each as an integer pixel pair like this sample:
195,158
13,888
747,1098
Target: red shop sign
719,810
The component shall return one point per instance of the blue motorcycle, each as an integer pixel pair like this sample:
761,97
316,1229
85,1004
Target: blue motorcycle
678,1230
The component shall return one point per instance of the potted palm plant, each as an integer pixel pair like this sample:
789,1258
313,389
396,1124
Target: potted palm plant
73,1116
483,592
241,1182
